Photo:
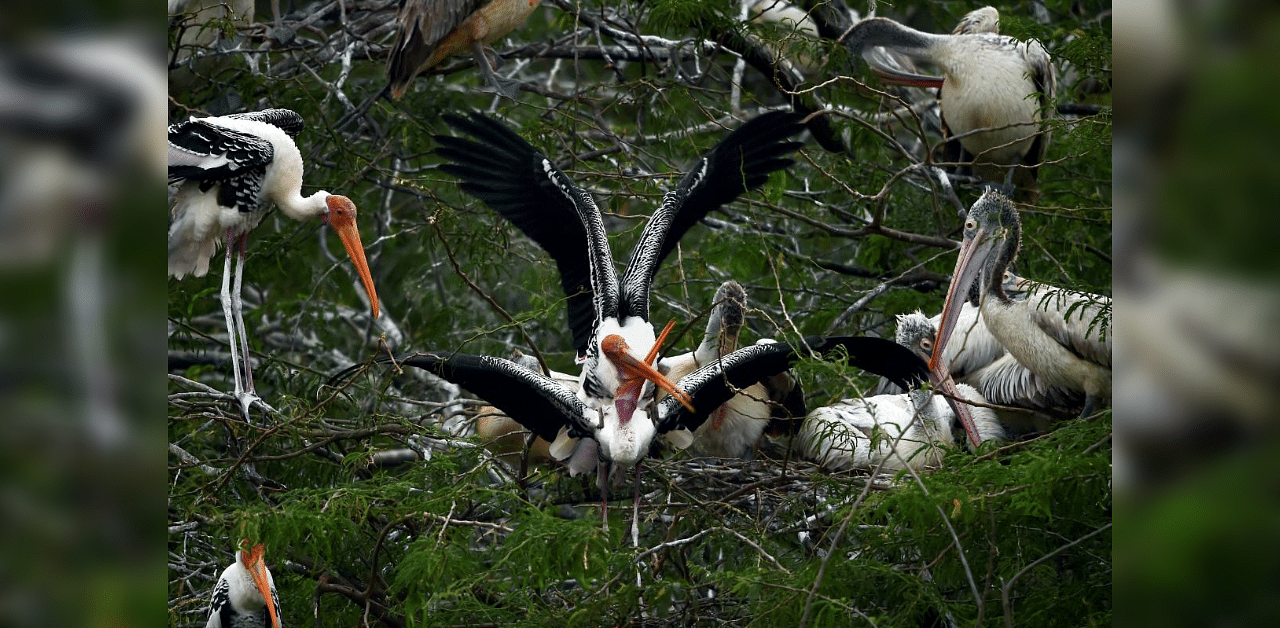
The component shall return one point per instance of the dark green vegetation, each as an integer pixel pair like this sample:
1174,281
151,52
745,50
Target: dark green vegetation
840,242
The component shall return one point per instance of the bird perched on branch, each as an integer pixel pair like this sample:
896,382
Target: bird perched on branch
227,168
245,596
429,31
1062,337
995,90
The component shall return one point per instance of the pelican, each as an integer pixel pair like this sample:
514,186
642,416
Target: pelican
735,427
226,168
240,599
1061,336
893,431
994,88
430,31
612,335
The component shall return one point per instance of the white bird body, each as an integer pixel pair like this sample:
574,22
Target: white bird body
734,428
864,433
240,598
989,84
1033,330
986,85
200,223
226,168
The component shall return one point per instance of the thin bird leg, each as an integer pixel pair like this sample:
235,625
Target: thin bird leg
245,394
229,310
504,86
602,480
1091,405
635,511
238,302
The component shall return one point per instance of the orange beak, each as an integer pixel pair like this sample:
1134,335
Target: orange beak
252,560
342,217
634,370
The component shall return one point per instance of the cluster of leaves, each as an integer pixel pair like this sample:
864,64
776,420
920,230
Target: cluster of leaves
840,242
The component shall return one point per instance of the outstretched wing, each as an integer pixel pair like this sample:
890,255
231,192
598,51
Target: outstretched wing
534,400
516,180
740,162
714,384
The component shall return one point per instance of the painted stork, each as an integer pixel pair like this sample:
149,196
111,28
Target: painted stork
430,31
555,412
894,431
994,88
227,167
1061,336
735,427
609,318
240,599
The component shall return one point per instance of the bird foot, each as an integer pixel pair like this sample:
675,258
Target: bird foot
247,399
505,86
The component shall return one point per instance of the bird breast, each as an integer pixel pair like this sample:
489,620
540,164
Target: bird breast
989,86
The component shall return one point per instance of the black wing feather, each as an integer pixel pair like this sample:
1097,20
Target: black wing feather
741,161
534,400
220,602
215,155
716,383
287,120
500,168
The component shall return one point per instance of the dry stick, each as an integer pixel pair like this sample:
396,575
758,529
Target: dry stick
488,299
1004,590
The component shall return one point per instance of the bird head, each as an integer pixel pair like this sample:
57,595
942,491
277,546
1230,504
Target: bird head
341,215
991,227
251,557
633,372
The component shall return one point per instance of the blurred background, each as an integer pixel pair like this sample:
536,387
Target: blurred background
82,314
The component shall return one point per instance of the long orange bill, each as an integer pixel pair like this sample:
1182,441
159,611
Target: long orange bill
258,570
342,217
617,351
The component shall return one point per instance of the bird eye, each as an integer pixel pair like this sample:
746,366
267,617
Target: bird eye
925,343
1007,277
969,224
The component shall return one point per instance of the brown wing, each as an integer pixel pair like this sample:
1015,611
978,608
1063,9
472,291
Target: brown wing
423,24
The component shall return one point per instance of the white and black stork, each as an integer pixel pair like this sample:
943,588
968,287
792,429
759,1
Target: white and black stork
894,431
1061,337
227,168
608,316
430,31
245,596
995,89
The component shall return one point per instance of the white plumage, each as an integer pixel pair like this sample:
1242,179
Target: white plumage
240,598
227,168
